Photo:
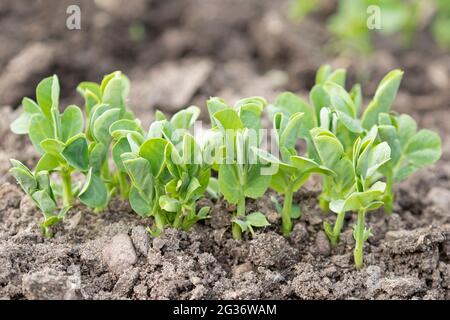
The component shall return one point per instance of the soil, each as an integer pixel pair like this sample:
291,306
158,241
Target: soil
192,49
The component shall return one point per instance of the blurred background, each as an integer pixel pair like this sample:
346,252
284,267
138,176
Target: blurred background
180,52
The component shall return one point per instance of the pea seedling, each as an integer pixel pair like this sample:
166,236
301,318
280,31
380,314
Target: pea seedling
240,174
293,170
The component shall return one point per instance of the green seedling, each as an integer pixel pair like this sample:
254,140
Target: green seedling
166,169
61,141
189,181
240,174
330,152
367,194
293,170
336,109
38,187
411,150
105,105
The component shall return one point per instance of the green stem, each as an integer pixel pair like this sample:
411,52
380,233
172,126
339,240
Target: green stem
178,219
286,222
106,172
389,195
236,229
324,197
160,221
359,237
67,188
123,185
334,240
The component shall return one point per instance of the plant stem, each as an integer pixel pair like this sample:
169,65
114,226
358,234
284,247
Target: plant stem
334,240
359,237
389,195
123,185
286,222
160,221
67,188
236,229
105,171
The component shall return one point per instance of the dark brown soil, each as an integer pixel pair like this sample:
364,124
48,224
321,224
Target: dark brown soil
193,49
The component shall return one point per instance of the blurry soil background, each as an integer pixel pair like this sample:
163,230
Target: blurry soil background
178,53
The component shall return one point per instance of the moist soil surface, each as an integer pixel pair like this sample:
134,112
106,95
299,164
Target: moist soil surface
188,51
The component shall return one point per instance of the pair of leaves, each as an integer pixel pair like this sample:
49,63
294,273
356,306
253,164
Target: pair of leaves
368,200
411,149
247,223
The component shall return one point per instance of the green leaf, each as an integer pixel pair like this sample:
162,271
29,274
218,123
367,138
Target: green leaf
44,201
138,170
257,219
404,172
383,99
52,146
288,137
185,119
338,76
319,99
328,147
340,99
359,200
257,183
378,156
249,110
116,90
76,153
228,119
138,203
153,150
72,122
214,105
356,95
305,165
119,148
94,193
101,126
23,176
424,148
47,94
47,162
203,213
389,134
229,183
213,188
93,87
39,130
242,224
22,123
407,128
122,127
350,123
169,204
323,73
292,104
97,156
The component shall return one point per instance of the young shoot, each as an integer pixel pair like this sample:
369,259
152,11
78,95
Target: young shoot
367,194
38,187
241,176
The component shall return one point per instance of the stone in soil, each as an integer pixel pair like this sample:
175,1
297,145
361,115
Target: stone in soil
119,254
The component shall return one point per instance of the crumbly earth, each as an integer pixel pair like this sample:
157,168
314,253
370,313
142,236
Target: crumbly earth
232,51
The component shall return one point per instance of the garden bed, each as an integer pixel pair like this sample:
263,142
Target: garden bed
111,255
